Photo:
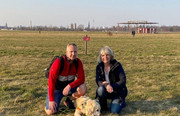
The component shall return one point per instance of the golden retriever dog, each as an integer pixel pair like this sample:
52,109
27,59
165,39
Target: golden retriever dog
87,106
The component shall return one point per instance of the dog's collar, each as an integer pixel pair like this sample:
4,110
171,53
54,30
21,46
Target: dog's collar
78,108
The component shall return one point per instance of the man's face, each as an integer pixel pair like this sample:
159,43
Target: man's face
71,52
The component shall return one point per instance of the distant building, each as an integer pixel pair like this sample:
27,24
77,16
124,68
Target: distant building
75,27
89,26
147,30
72,27
139,26
4,27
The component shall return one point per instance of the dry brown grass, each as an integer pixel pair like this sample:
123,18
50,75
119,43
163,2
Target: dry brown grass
151,63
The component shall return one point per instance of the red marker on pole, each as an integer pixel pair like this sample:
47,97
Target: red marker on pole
86,38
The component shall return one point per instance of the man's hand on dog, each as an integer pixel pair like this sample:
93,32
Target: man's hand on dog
66,90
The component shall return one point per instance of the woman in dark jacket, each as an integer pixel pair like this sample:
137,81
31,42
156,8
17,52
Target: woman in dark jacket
111,81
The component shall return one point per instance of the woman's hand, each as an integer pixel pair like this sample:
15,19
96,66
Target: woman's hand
105,83
109,88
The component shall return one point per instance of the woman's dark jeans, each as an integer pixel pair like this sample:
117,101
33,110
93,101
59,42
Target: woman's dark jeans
117,102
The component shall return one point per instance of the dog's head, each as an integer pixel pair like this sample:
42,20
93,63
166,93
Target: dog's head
92,108
81,103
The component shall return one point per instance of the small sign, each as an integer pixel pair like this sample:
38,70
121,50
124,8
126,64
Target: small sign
86,38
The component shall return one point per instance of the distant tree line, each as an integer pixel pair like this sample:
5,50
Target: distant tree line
169,29
82,28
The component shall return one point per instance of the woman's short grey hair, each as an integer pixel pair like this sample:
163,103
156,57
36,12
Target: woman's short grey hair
105,50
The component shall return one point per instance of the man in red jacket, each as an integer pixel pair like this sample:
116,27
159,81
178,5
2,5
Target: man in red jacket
64,84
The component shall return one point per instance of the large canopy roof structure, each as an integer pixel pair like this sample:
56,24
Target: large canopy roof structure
138,22
140,26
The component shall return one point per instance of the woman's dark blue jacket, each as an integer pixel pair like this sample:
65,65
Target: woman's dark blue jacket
117,77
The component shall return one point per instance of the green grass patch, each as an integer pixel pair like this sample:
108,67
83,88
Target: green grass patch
151,63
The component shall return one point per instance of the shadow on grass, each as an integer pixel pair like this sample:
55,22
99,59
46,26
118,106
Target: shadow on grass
152,107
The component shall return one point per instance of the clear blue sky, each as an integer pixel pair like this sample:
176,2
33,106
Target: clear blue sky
98,12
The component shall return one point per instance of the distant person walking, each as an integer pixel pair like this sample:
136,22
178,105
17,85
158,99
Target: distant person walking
111,81
133,33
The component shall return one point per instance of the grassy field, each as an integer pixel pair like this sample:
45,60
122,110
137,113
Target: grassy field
151,63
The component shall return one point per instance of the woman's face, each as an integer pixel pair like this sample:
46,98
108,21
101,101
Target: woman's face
105,58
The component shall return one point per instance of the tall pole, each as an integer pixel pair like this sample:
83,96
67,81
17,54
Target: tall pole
86,38
86,47
30,24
